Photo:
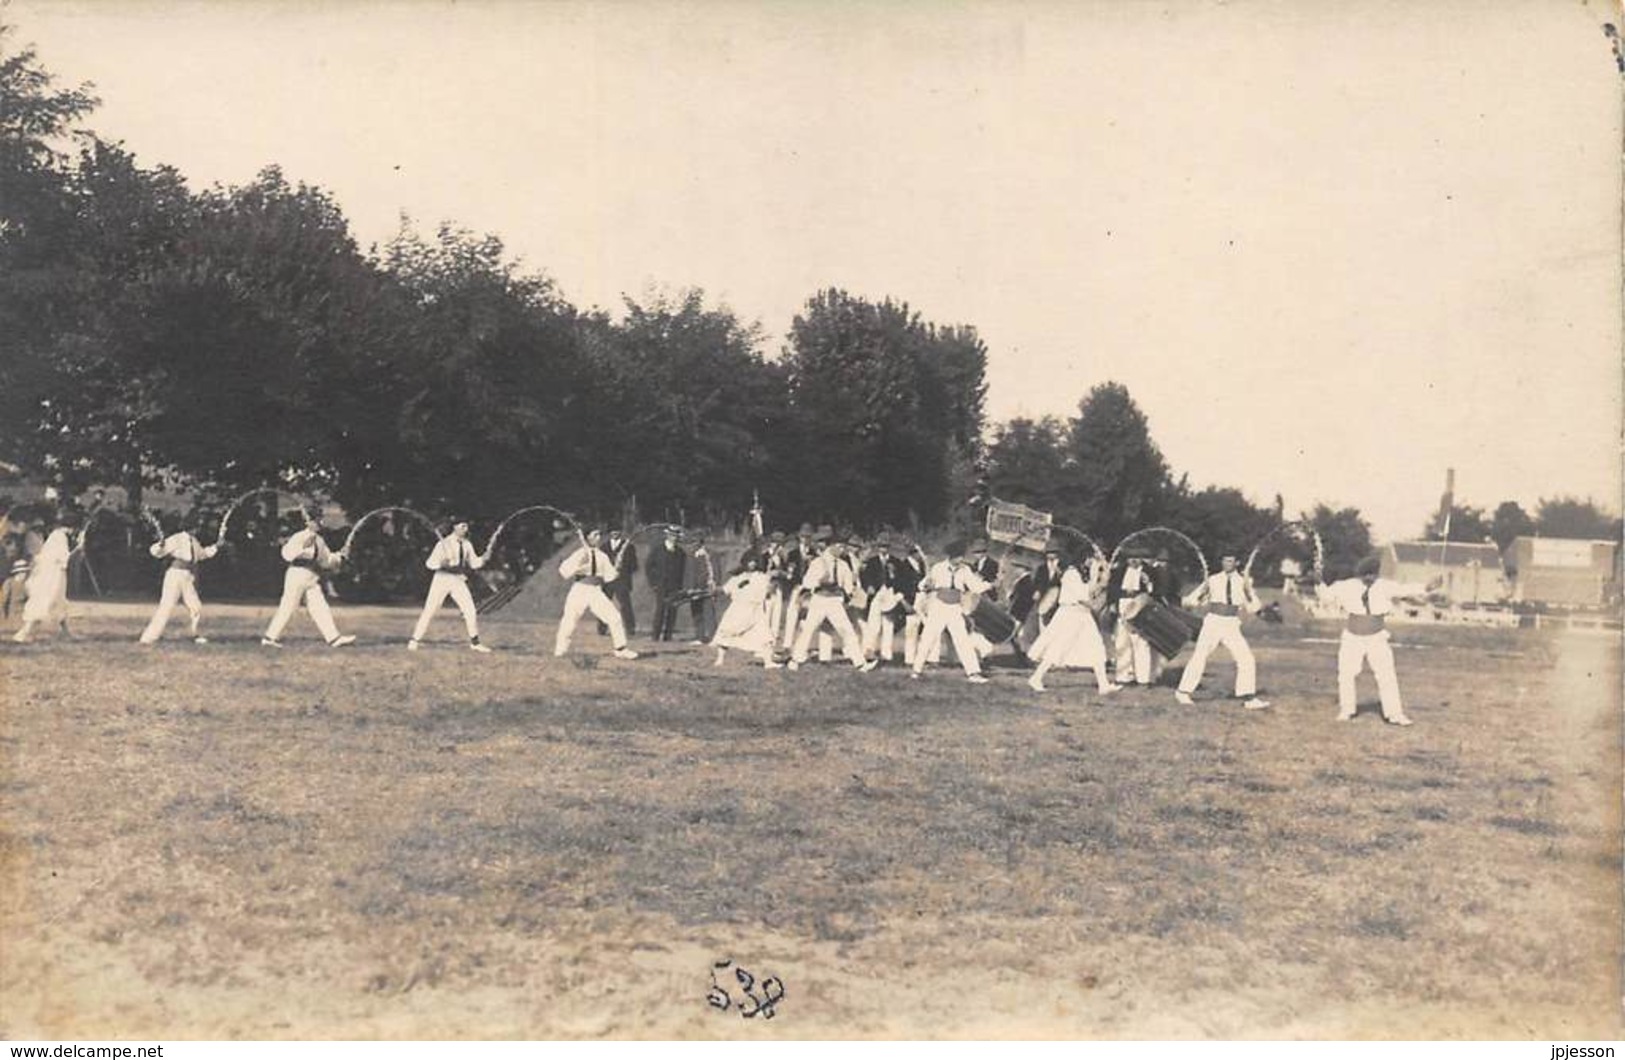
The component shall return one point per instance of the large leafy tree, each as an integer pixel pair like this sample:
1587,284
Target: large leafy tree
886,409
1510,521
492,405
1345,535
1575,518
1026,462
1220,519
1119,481
688,409
1466,524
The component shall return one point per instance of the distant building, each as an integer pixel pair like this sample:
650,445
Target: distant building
1472,574
1565,572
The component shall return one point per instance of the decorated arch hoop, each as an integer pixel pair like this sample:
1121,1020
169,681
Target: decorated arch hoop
1073,533
561,520
1162,531
144,513
237,502
389,509
1303,527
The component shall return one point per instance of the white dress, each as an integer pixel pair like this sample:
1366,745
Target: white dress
745,624
1072,637
48,581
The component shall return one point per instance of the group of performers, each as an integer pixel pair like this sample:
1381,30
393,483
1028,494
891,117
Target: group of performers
785,596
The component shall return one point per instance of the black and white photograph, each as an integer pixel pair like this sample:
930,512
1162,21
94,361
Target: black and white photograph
798,520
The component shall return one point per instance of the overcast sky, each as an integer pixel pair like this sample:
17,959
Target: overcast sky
1331,248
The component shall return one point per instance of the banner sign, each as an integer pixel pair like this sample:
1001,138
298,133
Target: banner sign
1018,525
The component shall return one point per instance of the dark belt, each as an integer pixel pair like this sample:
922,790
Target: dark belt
949,596
307,564
584,579
1365,625
1224,610
458,571
183,565
833,590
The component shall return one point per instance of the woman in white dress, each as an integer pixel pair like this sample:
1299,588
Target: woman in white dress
48,580
746,624
1072,637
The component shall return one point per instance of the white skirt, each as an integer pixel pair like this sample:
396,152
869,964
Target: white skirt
47,594
1071,639
745,626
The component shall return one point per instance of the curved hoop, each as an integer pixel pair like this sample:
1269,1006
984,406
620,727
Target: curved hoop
153,521
1118,551
386,510
1297,524
225,520
84,532
1094,546
558,513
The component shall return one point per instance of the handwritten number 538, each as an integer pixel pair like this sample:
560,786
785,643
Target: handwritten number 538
754,1003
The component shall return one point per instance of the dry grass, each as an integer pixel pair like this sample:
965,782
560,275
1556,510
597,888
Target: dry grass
227,841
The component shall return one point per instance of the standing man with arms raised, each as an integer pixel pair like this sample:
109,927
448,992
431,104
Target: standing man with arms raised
587,570
452,559
1368,600
829,581
1227,594
307,557
946,584
184,552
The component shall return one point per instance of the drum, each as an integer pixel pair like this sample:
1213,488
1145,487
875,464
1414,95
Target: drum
991,620
1167,629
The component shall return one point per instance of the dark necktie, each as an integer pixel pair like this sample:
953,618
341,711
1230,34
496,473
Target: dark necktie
1228,602
1365,599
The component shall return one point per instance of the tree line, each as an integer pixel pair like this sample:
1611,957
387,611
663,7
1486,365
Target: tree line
212,341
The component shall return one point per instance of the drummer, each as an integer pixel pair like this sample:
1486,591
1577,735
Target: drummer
1227,595
1135,662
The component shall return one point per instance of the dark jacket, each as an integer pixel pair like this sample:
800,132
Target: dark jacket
664,568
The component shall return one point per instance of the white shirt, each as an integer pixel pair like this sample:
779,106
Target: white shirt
1226,589
1350,594
308,545
454,552
951,575
184,547
829,568
1074,590
589,562
1135,581
55,551
748,587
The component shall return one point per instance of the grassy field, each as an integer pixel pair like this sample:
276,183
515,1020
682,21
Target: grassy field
227,841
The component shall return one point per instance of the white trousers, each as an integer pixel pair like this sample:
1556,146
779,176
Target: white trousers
302,584
1353,652
880,634
1222,631
943,617
584,598
180,586
440,587
1136,661
831,610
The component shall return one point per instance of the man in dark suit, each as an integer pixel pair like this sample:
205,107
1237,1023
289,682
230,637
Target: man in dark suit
795,568
624,555
987,568
665,569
